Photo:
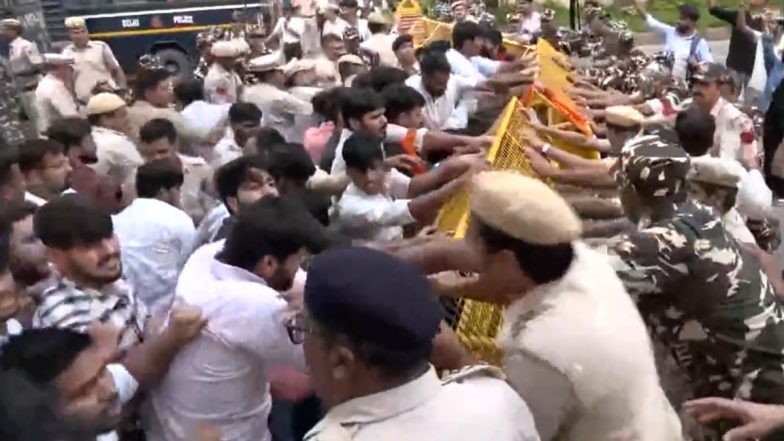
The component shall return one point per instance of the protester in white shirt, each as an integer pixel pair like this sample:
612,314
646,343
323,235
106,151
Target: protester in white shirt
464,55
349,11
378,204
221,378
244,118
530,21
198,113
333,24
443,92
155,234
363,111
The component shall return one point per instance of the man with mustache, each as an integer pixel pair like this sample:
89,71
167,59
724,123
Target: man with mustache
85,252
682,40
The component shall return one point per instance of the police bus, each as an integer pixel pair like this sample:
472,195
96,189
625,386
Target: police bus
132,28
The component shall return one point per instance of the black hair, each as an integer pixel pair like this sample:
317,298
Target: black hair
292,50
16,211
463,32
230,176
71,220
8,157
273,226
244,112
542,263
695,128
690,12
155,176
437,46
375,28
357,103
70,132
149,79
28,412
327,102
362,81
401,40
493,35
158,128
266,138
348,69
5,244
399,99
41,355
32,152
189,90
433,62
291,161
382,77
362,152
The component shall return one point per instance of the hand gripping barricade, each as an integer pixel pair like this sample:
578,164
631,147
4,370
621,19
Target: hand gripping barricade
478,323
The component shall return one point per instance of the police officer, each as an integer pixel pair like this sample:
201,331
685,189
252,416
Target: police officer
368,329
54,98
25,61
584,377
705,297
734,137
222,84
278,107
94,61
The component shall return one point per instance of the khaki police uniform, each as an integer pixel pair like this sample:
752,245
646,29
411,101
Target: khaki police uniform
575,348
472,404
223,86
141,112
93,64
53,99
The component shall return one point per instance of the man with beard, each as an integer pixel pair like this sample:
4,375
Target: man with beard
45,169
222,378
682,40
28,263
81,244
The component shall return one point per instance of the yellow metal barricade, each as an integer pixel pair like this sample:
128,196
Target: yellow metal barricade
407,14
478,322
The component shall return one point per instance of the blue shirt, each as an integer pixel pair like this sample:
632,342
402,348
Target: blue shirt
775,68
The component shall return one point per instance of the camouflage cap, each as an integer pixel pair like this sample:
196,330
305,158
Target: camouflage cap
709,72
653,166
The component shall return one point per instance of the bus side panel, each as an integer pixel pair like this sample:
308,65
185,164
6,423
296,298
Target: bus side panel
135,33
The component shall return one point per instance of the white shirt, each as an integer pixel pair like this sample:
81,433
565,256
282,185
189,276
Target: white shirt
530,26
378,216
118,157
290,30
222,86
337,27
204,116
226,150
220,377
279,109
476,69
53,101
155,239
35,200
443,112
395,133
381,44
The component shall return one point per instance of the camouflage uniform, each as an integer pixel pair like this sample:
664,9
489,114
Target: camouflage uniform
705,298
10,125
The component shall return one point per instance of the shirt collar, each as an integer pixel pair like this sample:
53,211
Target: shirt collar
223,271
386,404
717,107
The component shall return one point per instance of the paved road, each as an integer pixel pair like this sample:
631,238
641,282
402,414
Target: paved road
718,48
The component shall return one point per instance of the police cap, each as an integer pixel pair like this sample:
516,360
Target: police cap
373,297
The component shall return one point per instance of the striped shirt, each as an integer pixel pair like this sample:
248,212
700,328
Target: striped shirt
66,305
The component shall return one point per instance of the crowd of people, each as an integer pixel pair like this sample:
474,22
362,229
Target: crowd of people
247,252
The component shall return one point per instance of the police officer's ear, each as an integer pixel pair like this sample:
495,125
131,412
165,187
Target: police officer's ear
342,362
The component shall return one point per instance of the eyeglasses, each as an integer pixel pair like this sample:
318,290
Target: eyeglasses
298,327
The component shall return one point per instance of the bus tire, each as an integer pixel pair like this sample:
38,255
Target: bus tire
176,61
